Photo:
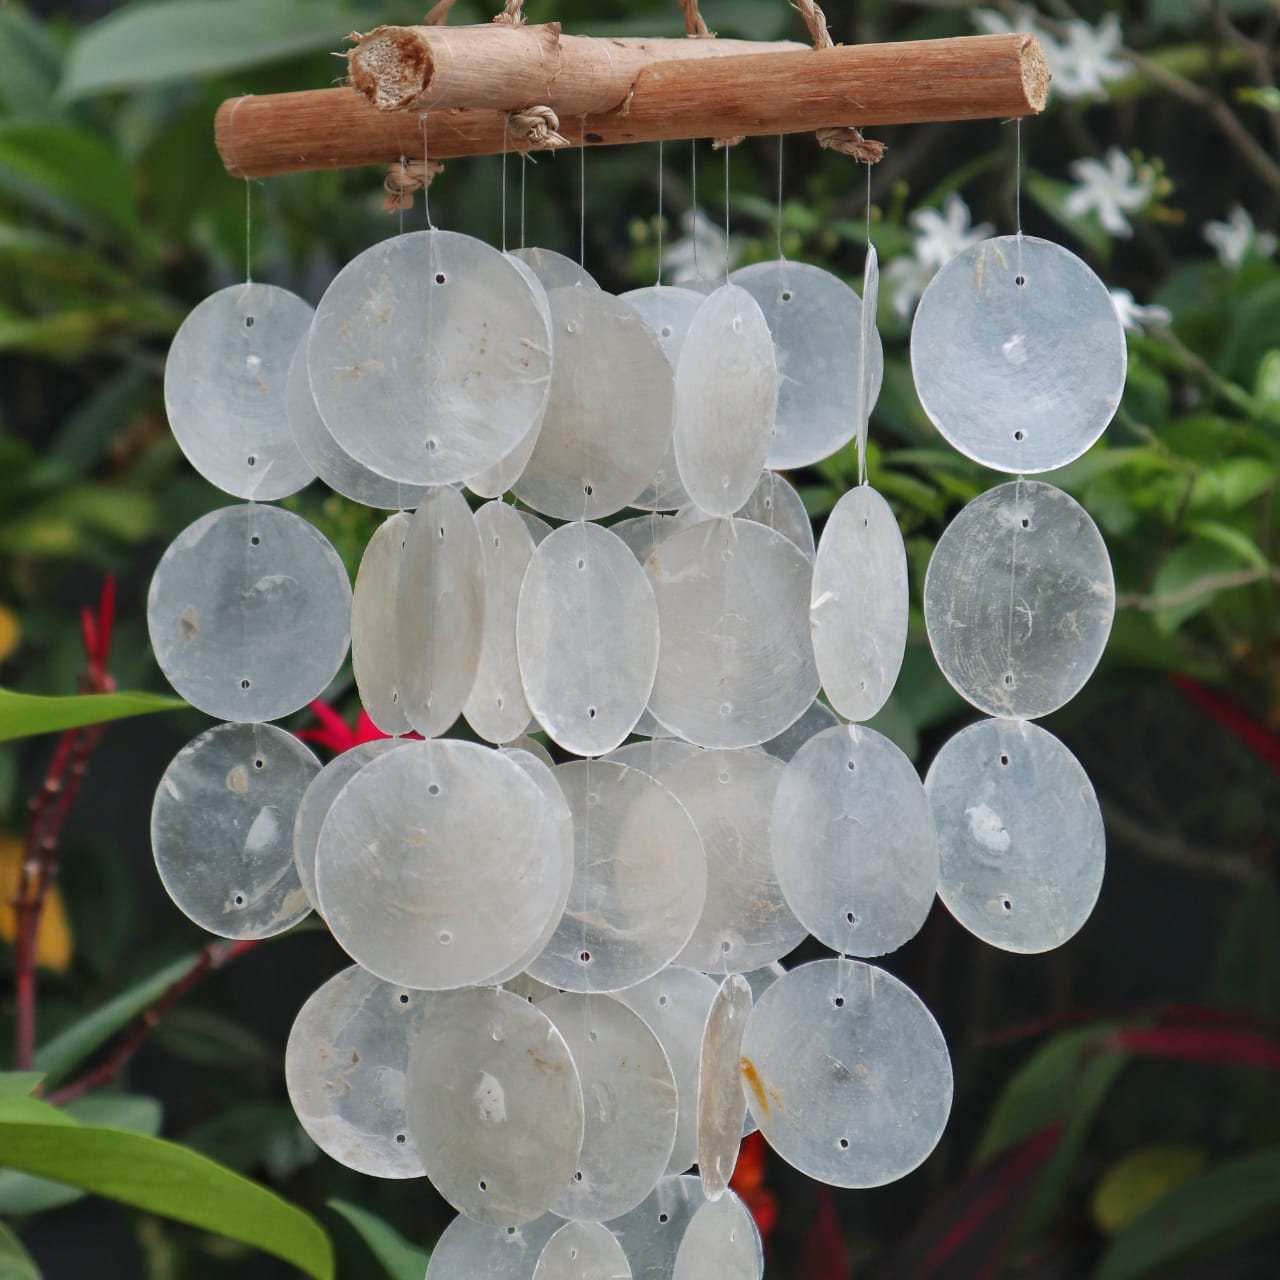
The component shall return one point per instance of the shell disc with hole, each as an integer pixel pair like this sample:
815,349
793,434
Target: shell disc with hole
854,842
818,717
722,1240
745,922
495,1106
650,1233
611,410
553,270
587,638
430,357
375,654
760,980
228,602
496,707
735,666
345,1067
1018,354
722,1106
434,868
439,611
222,829
583,1251
816,322
643,533
655,755
470,1250
1019,599
1020,835
846,1073
639,881
858,611
631,1116
674,1005
225,384
775,502
726,394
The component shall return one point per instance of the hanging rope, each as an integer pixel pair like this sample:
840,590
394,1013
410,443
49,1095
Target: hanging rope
693,23
538,126
405,179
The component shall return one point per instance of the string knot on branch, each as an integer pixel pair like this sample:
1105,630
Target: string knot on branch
847,139
694,26
405,179
538,126
511,15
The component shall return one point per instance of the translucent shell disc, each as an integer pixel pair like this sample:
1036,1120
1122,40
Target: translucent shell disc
437,341
469,1250
440,611
726,394
375,654
1020,834
639,881
854,843
587,638
631,1122
846,1073
222,829
736,664
775,502
1019,599
345,1066
611,412
816,323
433,869
583,1251
651,1232
228,602
554,270
722,1240
722,1106
655,755
858,613
225,390
1018,354
495,1106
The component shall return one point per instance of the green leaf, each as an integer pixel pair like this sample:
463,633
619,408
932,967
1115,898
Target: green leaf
15,1262
1138,1180
19,1084
1249,961
399,1259
1189,581
23,715
29,64
1232,483
1238,543
170,1180
186,40
1223,1204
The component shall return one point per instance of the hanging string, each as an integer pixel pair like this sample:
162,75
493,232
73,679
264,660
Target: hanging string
1017,182
870,303
582,197
248,236
427,173
726,215
504,191
781,255
693,187
660,214
525,162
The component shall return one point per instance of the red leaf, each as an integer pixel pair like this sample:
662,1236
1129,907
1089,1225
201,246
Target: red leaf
1192,1044
1233,718
824,1257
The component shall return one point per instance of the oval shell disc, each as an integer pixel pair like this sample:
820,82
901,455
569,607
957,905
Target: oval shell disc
654,755
375,653
722,1106
775,502
650,1233
469,1250
722,1240
553,270
583,1251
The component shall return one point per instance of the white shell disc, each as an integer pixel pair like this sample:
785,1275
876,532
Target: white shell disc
495,1105
643,533
846,1073
854,843
775,502
726,394
611,410
654,755
1020,834
736,663
583,1251
721,1241
345,1065
440,611
228,602
222,829
1018,354
553,270
722,1106
631,1119
375,653
587,638
469,1250
225,384
1019,599
650,1233
812,722
858,612
816,322
430,357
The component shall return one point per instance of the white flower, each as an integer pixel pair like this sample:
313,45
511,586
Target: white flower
1234,239
1137,318
938,238
907,277
1081,63
1112,189
699,254
993,23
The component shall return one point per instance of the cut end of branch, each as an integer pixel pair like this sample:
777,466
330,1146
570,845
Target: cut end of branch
391,67
1035,73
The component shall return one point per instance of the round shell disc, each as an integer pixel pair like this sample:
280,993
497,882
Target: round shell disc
674,1005
736,663
496,707
639,881
583,1251
375,655
854,843
611,411
433,867
587,638
222,829
775,502
439,342
345,1066
1019,599
553,270
816,322
631,1122
858,612
722,1106
721,1241
643,533
228,602
470,1250
746,922
846,1073
760,980
726,394
1018,354
1020,835
814,721
225,384
440,611
495,1106
651,1233
534,748
655,755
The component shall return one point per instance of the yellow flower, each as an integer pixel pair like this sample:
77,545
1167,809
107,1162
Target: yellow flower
53,949
10,632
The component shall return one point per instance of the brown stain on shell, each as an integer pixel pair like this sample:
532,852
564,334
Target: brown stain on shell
754,1083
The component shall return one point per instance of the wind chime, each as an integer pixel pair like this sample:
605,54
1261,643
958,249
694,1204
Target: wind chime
567,988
